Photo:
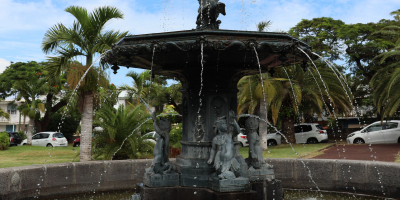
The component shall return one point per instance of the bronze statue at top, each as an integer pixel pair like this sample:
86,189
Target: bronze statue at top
209,11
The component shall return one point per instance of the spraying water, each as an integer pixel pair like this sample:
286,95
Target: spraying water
76,88
263,91
277,131
291,84
152,61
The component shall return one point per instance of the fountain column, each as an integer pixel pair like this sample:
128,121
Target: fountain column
218,97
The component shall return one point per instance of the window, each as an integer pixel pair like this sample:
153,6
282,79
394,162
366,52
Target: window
302,128
319,127
37,136
374,127
392,125
45,135
58,135
12,109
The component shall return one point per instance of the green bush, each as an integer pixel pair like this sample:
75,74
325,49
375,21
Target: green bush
68,127
175,136
22,135
4,141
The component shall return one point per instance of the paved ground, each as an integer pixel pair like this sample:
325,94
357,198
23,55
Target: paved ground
377,152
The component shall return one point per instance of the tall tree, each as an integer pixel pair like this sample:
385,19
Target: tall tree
86,37
293,94
30,91
387,79
22,71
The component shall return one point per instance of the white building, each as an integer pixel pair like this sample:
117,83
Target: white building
16,120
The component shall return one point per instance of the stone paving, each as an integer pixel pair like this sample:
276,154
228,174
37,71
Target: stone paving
377,152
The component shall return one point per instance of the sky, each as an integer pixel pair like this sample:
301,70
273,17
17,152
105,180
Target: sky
23,23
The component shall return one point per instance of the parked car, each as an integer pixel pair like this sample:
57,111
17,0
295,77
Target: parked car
48,139
272,139
377,132
77,142
310,133
15,139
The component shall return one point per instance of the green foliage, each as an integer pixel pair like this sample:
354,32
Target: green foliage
121,130
321,34
4,141
264,25
155,92
68,125
22,134
175,136
19,71
282,95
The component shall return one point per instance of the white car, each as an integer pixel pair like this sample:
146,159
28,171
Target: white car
48,139
272,139
310,133
377,132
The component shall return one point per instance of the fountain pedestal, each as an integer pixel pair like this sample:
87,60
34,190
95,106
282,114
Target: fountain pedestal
161,180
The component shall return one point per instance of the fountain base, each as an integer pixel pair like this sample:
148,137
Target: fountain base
229,185
167,193
161,180
260,174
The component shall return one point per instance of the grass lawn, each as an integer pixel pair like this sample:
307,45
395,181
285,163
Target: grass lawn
286,151
398,158
28,155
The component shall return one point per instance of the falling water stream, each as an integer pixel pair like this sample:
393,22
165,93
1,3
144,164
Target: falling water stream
277,131
291,84
263,92
151,71
76,88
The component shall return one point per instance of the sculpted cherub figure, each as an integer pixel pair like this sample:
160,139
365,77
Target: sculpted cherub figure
161,162
222,151
255,158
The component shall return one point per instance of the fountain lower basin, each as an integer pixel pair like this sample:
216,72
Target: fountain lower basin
74,178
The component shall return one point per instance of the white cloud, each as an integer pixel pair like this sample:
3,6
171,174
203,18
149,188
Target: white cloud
15,16
4,64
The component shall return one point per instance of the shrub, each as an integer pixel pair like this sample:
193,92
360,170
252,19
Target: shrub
68,127
22,135
175,136
4,141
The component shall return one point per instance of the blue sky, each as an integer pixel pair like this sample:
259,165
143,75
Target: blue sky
23,22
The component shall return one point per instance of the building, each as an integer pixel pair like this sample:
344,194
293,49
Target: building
16,120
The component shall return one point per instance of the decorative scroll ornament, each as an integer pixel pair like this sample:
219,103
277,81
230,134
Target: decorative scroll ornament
115,68
199,129
304,65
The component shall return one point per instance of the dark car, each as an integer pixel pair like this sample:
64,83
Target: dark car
15,139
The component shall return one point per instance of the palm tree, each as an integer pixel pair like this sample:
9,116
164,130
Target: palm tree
264,26
140,88
121,131
30,90
296,95
396,14
87,38
386,95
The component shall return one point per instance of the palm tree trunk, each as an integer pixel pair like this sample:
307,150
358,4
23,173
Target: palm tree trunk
23,124
86,127
263,126
30,130
19,121
288,129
